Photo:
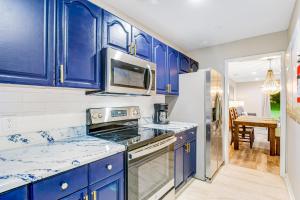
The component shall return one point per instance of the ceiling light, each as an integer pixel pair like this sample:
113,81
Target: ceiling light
271,86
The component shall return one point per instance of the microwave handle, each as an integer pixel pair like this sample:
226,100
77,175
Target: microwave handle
150,85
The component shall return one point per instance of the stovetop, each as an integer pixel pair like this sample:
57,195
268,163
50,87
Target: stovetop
134,137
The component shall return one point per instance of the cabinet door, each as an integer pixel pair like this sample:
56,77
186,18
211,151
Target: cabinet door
116,32
173,68
111,188
194,65
160,58
184,63
187,162
78,44
80,195
178,166
16,194
27,42
193,157
143,44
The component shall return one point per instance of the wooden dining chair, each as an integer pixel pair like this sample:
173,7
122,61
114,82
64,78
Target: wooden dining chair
246,134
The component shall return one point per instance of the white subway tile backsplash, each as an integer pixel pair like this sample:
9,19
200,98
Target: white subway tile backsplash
45,108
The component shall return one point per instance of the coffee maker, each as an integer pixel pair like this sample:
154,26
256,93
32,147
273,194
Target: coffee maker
160,113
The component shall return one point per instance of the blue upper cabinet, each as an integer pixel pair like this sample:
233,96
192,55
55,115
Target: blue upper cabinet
79,44
194,65
116,32
143,44
173,68
184,63
160,58
27,42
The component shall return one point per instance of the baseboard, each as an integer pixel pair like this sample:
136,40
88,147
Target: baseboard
289,187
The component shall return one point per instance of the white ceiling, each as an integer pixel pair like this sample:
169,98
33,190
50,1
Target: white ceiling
253,70
193,24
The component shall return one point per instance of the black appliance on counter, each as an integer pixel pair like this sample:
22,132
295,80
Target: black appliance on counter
150,152
160,113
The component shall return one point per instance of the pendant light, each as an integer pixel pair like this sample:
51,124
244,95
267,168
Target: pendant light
270,86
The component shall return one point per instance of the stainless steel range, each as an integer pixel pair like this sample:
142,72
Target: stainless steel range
150,152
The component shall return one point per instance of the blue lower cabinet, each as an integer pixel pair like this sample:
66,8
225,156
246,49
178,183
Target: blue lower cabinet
15,194
27,42
80,195
185,156
60,185
193,153
78,44
111,188
178,166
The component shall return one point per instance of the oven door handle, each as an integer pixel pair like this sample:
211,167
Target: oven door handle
151,148
150,85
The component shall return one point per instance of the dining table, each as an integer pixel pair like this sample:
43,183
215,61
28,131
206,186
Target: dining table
253,121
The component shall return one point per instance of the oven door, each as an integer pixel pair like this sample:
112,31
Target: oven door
128,74
151,175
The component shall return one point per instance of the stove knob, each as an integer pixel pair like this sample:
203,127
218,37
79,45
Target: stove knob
135,112
99,115
94,115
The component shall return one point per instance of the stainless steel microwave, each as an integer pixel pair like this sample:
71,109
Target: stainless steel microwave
125,74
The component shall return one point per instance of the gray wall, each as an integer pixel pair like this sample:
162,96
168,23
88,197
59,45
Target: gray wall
215,56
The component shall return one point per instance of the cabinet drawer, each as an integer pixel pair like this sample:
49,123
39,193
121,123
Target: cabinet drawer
181,139
15,194
106,167
61,185
191,134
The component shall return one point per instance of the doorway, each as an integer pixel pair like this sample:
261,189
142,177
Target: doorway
245,94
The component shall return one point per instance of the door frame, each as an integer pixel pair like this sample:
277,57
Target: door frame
282,108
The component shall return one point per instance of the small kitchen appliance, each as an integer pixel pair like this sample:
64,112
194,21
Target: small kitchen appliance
149,155
160,113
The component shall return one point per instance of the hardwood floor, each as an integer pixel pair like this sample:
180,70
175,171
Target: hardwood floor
258,157
236,183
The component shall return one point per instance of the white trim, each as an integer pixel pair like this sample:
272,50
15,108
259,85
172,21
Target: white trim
289,187
282,104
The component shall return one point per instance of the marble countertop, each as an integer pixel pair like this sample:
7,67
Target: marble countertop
30,163
177,127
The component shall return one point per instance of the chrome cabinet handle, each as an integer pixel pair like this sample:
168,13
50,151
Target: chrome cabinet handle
86,197
61,73
64,185
135,49
109,167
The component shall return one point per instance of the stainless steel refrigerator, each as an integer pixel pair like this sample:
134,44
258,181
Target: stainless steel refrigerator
201,101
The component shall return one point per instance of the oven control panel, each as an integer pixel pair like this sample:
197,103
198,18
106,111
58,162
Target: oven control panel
103,115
